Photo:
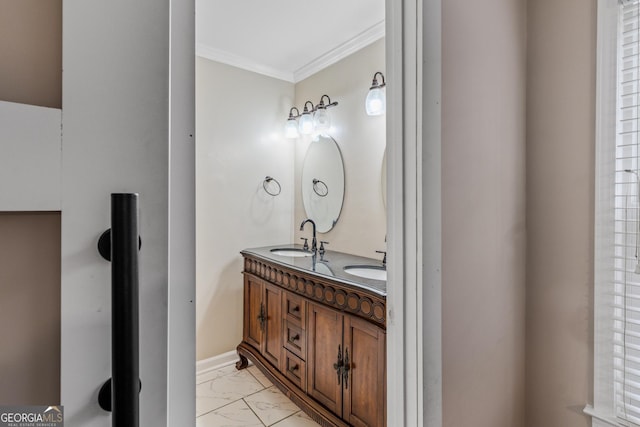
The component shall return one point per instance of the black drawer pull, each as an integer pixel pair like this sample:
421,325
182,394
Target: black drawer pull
294,338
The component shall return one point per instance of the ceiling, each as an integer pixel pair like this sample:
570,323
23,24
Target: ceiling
286,39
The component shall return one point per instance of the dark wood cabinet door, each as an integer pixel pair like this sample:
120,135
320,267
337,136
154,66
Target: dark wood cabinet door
253,311
272,338
324,341
365,386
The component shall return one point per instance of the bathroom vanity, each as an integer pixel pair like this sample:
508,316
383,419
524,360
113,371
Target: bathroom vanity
318,332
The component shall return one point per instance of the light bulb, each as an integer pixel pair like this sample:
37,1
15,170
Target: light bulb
321,120
376,103
306,124
291,129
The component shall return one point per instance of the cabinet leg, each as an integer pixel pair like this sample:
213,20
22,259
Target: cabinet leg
242,363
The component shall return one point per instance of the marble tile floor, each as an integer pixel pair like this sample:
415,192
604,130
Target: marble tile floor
227,397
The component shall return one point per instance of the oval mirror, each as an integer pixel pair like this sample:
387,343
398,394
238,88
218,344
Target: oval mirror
323,183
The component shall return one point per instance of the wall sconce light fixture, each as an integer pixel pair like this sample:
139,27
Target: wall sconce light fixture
306,119
313,118
291,127
376,103
321,119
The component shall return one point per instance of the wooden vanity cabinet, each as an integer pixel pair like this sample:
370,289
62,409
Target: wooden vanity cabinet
364,396
345,366
319,341
324,381
262,318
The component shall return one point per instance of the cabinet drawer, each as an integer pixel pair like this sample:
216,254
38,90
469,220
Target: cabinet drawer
295,339
296,370
294,308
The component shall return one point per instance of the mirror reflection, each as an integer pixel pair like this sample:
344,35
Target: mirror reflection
323,182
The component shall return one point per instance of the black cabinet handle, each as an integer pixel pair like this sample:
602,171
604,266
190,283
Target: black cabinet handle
294,338
345,368
339,365
261,316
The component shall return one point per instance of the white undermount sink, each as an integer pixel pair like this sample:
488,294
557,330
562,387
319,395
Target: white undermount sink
367,271
293,252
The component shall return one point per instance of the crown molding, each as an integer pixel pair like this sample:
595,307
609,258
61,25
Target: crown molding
238,61
365,38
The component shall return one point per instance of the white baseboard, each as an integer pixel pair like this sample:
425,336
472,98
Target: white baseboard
216,362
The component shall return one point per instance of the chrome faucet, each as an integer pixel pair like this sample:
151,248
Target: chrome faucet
314,243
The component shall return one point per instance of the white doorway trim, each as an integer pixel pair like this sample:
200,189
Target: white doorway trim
181,327
414,326
431,210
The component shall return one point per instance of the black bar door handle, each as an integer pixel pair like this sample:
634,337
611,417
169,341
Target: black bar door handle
125,352
120,394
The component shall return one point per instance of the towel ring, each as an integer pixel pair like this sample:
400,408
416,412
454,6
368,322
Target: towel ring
320,188
266,181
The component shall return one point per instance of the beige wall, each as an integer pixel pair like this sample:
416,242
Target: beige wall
239,123
560,197
31,52
361,227
30,308
483,212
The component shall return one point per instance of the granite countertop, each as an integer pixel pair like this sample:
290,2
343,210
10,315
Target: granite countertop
330,266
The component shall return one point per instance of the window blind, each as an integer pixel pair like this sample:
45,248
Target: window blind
626,257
